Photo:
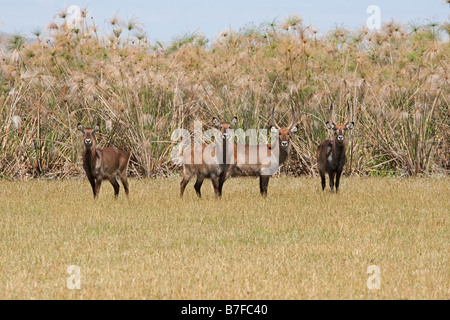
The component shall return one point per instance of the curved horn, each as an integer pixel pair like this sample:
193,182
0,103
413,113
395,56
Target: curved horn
293,117
273,119
331,114
349,118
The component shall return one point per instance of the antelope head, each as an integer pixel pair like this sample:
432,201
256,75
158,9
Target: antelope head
339,129
224,126
283,133
88,135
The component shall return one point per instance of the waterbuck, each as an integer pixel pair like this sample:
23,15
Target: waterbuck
103,164
213,162
261,160
330,155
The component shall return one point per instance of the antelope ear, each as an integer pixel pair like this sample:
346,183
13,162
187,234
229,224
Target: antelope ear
216,122
330,125
273,129
80,127
96,128
233,122
293,129
349,126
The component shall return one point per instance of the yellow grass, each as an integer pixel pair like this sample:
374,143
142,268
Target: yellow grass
299,243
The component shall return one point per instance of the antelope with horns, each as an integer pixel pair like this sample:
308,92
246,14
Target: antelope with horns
331,156
266,158
103,164
213,162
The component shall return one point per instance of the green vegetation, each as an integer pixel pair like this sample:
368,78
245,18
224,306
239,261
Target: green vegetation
396,81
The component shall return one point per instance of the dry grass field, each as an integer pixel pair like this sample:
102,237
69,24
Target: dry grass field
299,243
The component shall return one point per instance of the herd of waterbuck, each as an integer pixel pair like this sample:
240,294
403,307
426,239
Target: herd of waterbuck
222,159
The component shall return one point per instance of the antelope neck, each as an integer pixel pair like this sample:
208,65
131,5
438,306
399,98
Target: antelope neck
282,153
90,155
338,148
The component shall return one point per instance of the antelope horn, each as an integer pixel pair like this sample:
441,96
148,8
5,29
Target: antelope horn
293,118
349,118
273,119
331,114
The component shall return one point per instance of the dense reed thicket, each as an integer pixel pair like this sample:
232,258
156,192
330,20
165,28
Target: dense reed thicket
396,80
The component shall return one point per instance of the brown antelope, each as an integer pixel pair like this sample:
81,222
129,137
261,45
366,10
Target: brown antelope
103,164
266,158
331,156
212,163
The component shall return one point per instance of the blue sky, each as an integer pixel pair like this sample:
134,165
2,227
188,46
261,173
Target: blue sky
165,19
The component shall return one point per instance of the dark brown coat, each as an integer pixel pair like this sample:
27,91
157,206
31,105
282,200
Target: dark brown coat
331,156
103,164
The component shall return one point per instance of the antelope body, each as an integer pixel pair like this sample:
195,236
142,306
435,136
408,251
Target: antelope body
268,157
213,162
331,157
103,164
